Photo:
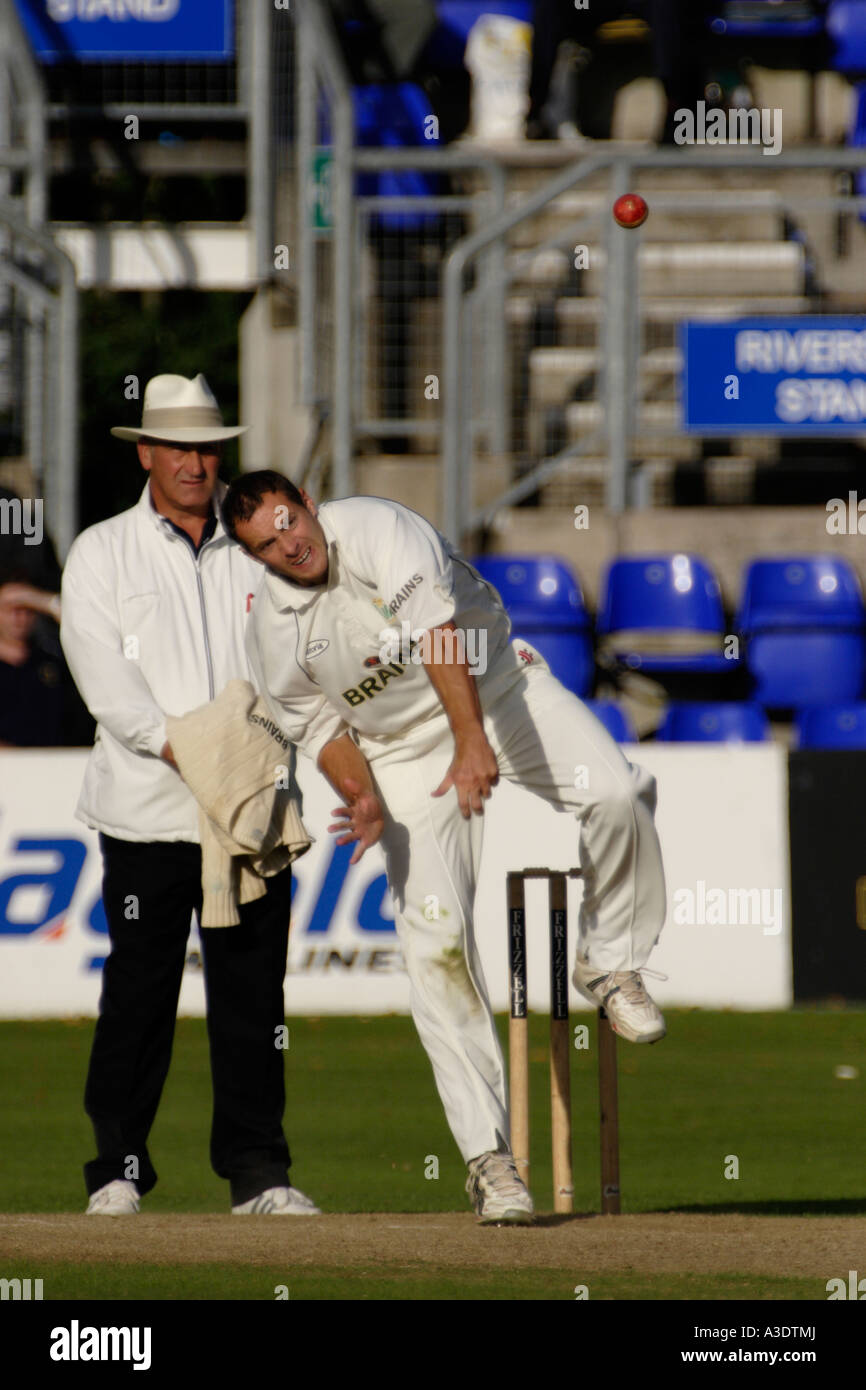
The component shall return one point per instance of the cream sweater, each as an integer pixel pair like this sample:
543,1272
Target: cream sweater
235,761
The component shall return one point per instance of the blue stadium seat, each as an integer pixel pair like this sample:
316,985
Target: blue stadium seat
663,613
543,598
832,726
800,591
769,19
713,723
846,27
804,624
614,719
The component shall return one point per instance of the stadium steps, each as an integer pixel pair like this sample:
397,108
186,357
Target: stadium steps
682,268
736,215
556,372
724,482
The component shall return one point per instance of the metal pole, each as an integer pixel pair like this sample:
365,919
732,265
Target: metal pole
455,265
617,385
495,352
260,143
65,487
344,131
327,53
466,488
305,86
63,494
24,75
35,398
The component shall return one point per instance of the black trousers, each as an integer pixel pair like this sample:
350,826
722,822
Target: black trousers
150,891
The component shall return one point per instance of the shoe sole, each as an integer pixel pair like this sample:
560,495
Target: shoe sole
508,1218
276,1213
640,1037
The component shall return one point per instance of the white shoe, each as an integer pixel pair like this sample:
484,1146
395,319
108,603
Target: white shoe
497,1192
117,1198
622,995
278,1201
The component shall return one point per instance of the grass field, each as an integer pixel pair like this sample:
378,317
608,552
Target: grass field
367,1132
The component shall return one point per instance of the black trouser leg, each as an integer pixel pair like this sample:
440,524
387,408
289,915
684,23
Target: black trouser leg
244,970
150,891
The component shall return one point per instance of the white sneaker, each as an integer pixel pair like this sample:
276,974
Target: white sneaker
117,1198
497,1192
278,1201
622,995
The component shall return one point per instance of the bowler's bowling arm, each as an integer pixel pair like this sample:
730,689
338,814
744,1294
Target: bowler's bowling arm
454,683
342,760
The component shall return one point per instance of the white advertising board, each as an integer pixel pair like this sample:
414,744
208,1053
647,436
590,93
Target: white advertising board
722,820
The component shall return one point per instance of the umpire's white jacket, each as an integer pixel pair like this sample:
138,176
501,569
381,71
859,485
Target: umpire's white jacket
149,630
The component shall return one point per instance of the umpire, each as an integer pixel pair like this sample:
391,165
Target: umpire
154,604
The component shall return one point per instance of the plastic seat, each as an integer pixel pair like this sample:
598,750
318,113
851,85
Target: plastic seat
804,624
832,726
763,19
800,591
663,613
713,723
543,599
845,23
614,719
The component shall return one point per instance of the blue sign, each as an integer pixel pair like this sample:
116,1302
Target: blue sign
796,376
108,30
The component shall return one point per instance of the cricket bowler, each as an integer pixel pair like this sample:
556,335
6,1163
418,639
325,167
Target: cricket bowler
391,664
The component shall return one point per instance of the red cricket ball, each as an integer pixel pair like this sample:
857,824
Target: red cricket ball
630,210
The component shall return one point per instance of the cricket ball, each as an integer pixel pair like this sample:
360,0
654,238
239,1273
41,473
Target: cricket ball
630,210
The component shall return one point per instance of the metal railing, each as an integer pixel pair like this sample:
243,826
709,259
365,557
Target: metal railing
38,297
476,274
621,316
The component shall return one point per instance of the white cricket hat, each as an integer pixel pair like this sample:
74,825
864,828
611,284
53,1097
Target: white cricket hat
180,410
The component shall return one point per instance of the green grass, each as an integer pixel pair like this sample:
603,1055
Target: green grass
364,1121
363,1117
204,1282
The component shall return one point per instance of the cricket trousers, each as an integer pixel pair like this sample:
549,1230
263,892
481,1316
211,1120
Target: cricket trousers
150,890
546,740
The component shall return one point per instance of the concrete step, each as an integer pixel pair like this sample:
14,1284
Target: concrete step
417,481
554,372
712,268
657,429
676,268
578,321
584,482
581,217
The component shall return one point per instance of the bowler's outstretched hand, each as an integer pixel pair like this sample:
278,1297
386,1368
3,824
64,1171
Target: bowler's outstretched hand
474,771
362,820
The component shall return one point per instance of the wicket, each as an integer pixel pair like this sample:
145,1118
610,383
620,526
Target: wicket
560,1054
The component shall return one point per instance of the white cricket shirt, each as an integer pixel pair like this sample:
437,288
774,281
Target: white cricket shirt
316,653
